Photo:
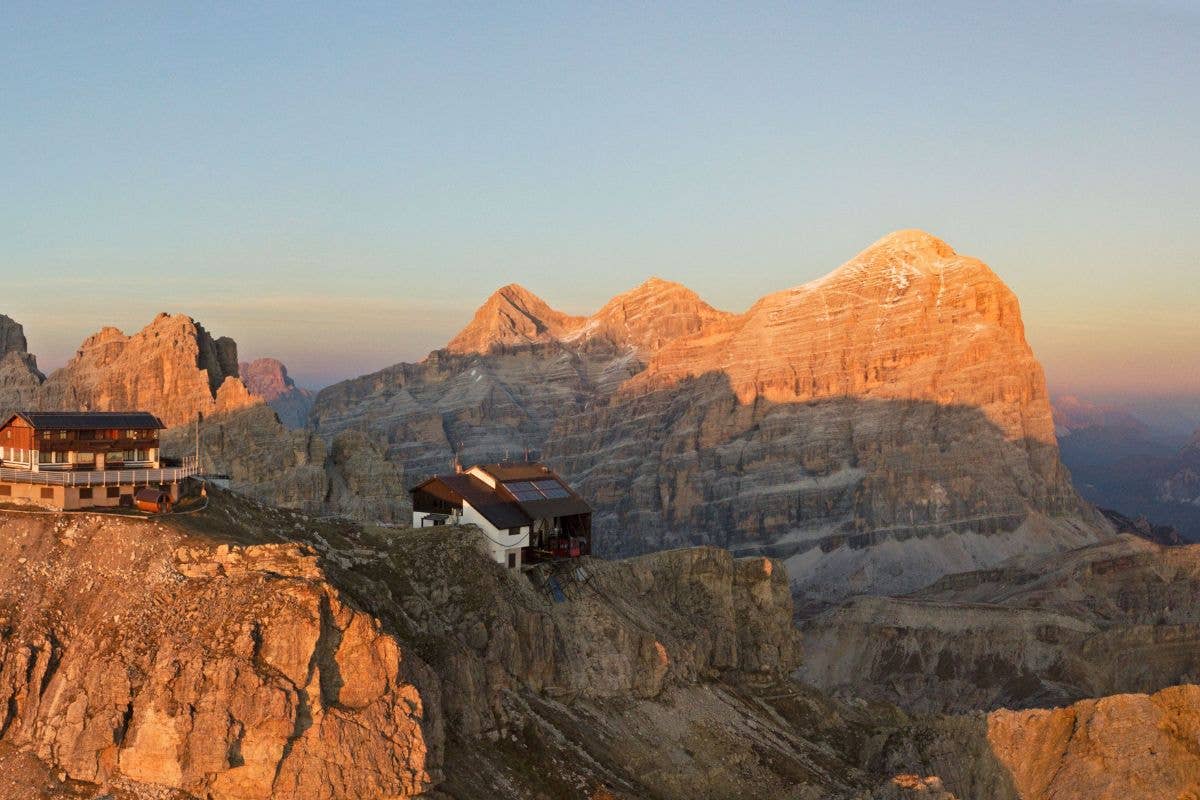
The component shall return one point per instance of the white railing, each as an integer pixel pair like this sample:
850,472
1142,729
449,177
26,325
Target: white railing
107,477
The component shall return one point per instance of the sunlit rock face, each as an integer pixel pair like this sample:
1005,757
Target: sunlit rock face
879,427
245,652
136,655
173,368
511,316
1127,746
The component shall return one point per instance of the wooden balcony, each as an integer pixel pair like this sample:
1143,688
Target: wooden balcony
107,477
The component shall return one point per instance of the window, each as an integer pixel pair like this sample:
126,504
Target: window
112,491
62,434
512,560
5,491
85,494
85,458
47,493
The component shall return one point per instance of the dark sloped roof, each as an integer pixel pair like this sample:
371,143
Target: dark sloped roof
565,507
499,506
539,508
495,508
90,420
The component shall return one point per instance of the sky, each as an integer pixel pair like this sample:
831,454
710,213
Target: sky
340,185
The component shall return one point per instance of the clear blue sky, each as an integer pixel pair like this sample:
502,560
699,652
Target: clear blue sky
341,184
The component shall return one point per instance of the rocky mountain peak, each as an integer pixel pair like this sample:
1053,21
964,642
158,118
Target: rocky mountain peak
173,367
20,378
512,315
12,337
651,314
268,378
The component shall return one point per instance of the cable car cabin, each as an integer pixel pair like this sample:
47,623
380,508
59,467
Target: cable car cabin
155,501
528,513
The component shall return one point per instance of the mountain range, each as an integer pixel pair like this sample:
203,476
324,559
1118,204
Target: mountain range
876,428
877,447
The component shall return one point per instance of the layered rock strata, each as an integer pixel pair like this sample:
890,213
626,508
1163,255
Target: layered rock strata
173,367
20,378
1102,620
879,427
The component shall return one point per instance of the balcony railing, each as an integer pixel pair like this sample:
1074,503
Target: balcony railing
107,477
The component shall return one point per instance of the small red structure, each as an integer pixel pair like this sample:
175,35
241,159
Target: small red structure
155,501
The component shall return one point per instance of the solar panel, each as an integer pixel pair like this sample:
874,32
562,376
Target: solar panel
543,488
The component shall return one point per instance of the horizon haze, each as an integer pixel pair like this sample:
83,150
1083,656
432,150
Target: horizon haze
342,190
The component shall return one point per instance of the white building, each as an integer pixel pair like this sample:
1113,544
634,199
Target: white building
527,512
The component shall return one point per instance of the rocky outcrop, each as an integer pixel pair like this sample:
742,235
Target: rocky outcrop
879,427
296,469
268,378
133,654
245,652
1036,632
855,425
20,379
1129,746
172,368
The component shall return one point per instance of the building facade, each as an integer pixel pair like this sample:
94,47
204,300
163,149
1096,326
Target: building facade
526,511
73,460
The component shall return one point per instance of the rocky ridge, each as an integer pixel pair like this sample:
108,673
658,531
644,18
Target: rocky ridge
1043,631
175,369
244,652
878,428
855,425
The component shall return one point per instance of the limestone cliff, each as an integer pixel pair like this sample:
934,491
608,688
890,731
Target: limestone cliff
244,652
20,379
1034,632
173,368
1128,747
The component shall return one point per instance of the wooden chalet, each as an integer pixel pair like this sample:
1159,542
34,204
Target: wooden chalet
68,460
80,440
528,513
